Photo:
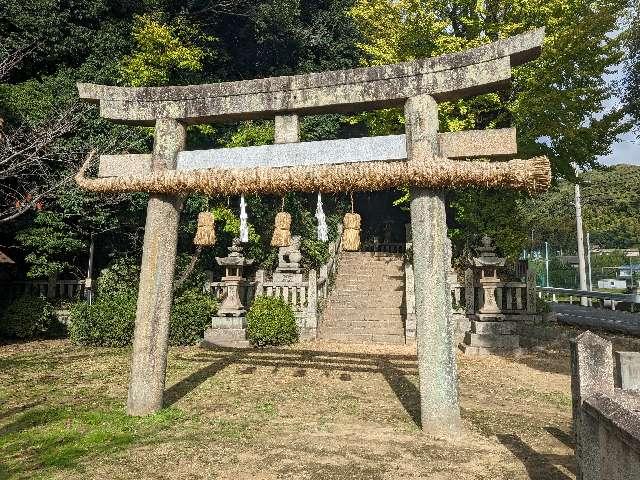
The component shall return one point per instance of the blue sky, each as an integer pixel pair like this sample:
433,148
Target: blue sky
627,149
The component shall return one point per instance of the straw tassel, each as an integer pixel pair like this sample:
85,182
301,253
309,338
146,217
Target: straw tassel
206,232
244,224
351,232
282,231
323,233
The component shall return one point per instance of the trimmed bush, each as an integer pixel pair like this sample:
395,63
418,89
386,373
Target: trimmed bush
108,322
270,321
190,315
29,317
119,278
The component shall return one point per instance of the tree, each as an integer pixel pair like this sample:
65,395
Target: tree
610,204
632,64
29,171
556,102
154,42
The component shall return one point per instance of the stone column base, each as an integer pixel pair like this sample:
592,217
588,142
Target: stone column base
227,332
491,337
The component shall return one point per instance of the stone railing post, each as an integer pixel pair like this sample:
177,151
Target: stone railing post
260,279
149,361
469,291
409,291
437,370
531,292
311,322
410,302
591,373
52,283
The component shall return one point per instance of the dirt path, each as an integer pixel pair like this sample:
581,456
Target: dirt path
315,411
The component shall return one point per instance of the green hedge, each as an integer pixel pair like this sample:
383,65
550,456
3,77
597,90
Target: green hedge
110,321
28,317
190,315
271,321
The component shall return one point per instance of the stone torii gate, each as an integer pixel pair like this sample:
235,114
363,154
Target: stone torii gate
423,159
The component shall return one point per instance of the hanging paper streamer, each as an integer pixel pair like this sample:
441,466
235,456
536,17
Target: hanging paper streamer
244,224
323,233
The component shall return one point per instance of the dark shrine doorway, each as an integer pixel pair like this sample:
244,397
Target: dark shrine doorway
383,223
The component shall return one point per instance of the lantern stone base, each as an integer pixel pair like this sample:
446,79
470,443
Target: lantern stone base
491,337
227,332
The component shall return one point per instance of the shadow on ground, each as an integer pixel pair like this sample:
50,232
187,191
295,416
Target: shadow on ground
539,466
394,368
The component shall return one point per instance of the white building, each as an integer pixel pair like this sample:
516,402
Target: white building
612,283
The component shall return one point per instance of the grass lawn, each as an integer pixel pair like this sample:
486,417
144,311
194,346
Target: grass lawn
313,411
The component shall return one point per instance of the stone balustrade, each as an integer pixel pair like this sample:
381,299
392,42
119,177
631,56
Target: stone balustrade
303,296
511,297
52,289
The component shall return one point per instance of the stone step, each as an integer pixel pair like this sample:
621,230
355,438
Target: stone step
495,328
367,302
393,266
373,300
364,313
364,338
354,268
491,341
480,351
337,329
368,263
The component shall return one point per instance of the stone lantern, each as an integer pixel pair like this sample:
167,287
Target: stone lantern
488,262
229,326
489,333
233,281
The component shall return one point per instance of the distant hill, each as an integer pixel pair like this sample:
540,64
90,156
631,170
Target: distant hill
610,206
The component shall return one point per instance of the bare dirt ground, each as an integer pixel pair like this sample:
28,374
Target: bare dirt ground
313,411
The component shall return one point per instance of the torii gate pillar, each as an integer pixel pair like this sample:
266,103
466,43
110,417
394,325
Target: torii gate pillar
155,295
437,370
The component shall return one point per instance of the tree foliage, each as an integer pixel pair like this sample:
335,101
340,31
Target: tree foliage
161,53
610,209
555,103
632,64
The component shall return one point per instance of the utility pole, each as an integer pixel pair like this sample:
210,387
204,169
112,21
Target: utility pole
582,270
546,262
88,283
589,262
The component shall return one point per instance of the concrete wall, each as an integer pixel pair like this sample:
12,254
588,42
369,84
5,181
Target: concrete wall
606,419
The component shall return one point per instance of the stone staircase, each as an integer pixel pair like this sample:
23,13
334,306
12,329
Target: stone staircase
367,303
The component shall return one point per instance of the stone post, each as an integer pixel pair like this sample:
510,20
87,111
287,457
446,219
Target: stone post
260,280
311,320
469,291
52,282
437,370
531,291
149,361
591,373
287,129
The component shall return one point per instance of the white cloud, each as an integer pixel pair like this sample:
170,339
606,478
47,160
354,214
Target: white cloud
625,150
